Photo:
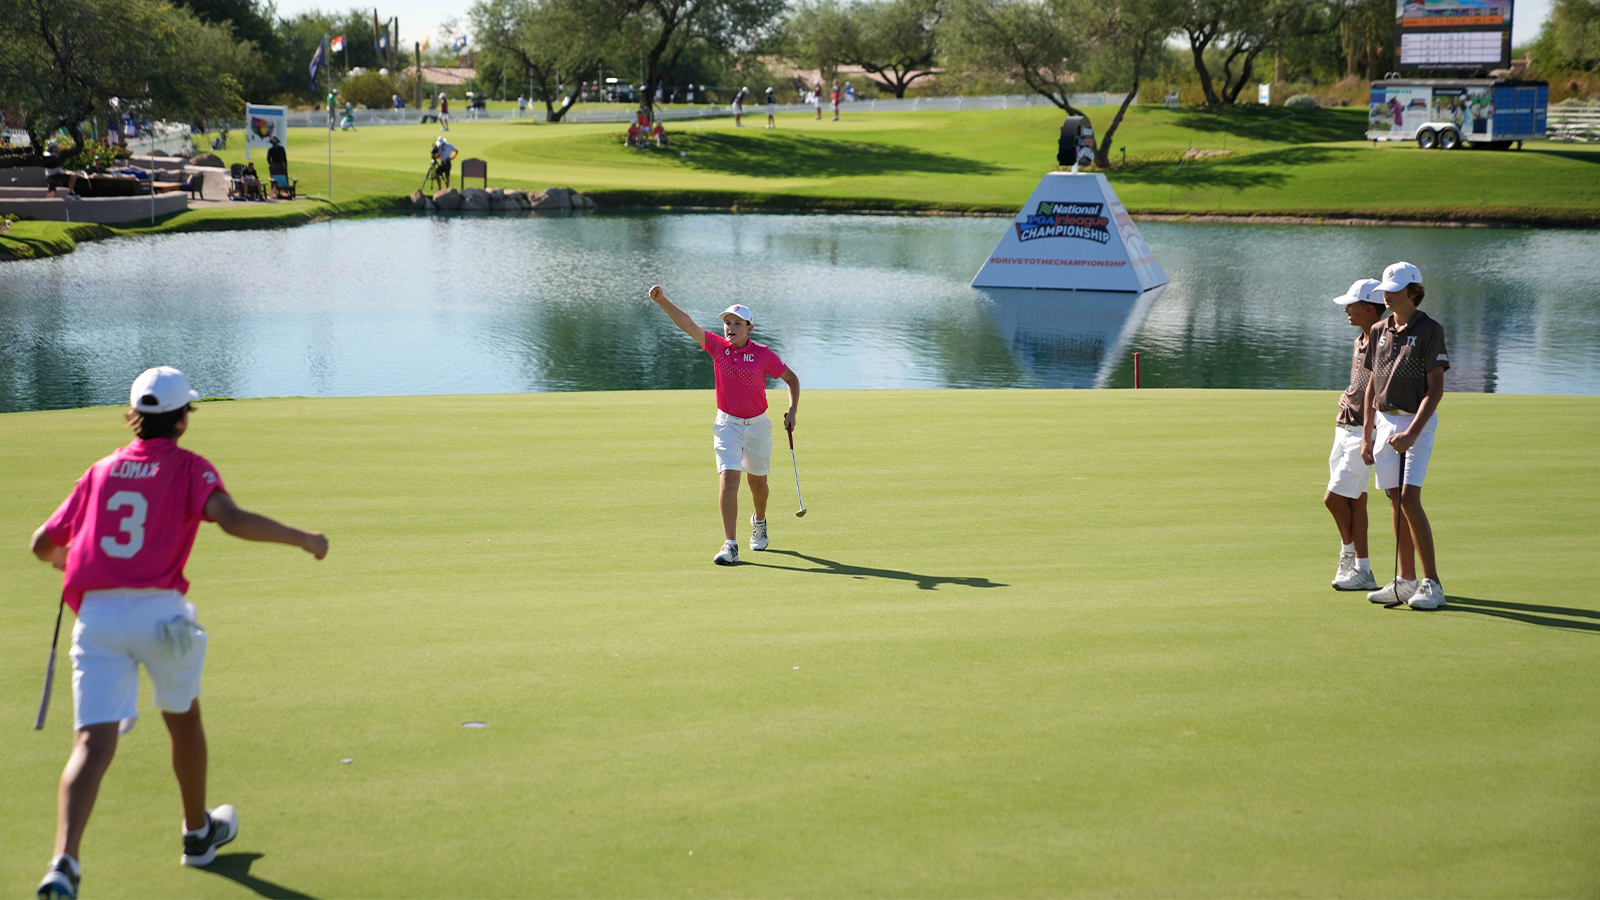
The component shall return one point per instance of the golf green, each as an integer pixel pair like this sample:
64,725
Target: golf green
1027,643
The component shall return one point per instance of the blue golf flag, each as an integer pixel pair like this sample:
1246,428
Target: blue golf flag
319,60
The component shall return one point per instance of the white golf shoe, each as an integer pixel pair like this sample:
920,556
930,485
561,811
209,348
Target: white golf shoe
61,880
728,555
1356,578
1347,562
1429,595
1389,596
758,533
221,828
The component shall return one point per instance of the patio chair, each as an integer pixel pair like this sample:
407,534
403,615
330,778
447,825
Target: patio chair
236,188
474,168
283,187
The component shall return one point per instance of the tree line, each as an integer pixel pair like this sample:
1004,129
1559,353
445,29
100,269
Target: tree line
62,61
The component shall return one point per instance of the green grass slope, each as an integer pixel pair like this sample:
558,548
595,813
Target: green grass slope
1307,163
1024,644
1311,162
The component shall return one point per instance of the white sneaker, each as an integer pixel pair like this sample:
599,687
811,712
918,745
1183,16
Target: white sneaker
1387,595
728,555
1429,595
223,827
758,533
1347,564
1356,579
61,880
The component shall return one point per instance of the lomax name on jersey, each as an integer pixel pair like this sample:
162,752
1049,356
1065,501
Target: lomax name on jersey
130,469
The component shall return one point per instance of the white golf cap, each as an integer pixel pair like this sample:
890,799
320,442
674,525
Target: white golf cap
739,310
1360,292
1397,276
159,390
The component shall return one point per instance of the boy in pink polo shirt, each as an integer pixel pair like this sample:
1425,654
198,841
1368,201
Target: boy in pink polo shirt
742,434
122,537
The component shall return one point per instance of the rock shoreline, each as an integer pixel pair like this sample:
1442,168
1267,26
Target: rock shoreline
499,200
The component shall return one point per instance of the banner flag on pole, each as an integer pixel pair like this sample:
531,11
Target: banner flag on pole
338,44
318,60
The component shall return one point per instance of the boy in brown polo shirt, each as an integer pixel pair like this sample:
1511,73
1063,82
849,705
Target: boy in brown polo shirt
1407,360
1348,473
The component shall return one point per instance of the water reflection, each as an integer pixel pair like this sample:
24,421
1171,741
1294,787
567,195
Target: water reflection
1068,339
423,305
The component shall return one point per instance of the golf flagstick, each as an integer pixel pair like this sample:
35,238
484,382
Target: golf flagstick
50,670
796,465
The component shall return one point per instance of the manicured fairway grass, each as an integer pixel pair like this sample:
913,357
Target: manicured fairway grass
1024,644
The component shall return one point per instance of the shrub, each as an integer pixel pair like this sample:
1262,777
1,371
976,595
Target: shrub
1302,100
369,89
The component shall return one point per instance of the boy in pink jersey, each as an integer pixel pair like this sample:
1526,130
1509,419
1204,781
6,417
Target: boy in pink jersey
123,537
742,435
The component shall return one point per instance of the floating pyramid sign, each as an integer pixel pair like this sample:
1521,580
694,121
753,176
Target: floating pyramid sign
1073,235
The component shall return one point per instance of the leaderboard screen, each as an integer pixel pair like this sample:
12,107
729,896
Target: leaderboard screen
1452,34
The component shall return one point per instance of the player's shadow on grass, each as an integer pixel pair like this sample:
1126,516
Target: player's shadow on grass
236,868
1528,613
833,567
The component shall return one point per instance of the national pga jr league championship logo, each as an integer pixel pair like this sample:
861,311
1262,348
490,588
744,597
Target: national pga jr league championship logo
1070,220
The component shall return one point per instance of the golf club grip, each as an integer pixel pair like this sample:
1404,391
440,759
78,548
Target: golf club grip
791,438
49,681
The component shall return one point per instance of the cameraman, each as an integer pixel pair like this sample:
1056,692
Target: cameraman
443,153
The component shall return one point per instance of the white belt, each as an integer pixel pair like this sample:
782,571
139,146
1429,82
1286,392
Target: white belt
1348,429
724,418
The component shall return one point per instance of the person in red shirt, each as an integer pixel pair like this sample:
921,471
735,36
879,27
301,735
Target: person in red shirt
742,435
122,537
836,101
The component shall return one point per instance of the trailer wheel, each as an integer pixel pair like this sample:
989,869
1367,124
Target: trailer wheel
1449,139
1427,139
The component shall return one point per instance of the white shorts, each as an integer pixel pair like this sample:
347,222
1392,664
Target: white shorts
743,445
1387,462
1347,474
119,630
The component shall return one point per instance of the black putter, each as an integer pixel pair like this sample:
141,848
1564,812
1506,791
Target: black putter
50,671
1401,511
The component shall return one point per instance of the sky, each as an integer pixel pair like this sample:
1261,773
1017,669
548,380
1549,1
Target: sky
423,18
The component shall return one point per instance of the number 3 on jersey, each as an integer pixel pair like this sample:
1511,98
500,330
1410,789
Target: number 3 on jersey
132,524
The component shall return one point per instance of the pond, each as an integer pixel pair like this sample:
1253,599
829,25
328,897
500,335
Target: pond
446,305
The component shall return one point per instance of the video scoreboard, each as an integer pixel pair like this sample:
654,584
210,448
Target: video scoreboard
1452,34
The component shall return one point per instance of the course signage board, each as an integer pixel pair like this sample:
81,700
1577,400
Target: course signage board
263,123
1452,34
1073,235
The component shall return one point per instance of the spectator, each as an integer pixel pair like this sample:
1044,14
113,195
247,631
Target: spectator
443,153
399,106
849,92
772,108
836,101
522,105
277,157
660,134
816,97
252,182
444,112
738,107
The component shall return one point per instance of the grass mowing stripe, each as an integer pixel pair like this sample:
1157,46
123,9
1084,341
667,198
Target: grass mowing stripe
1048,643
